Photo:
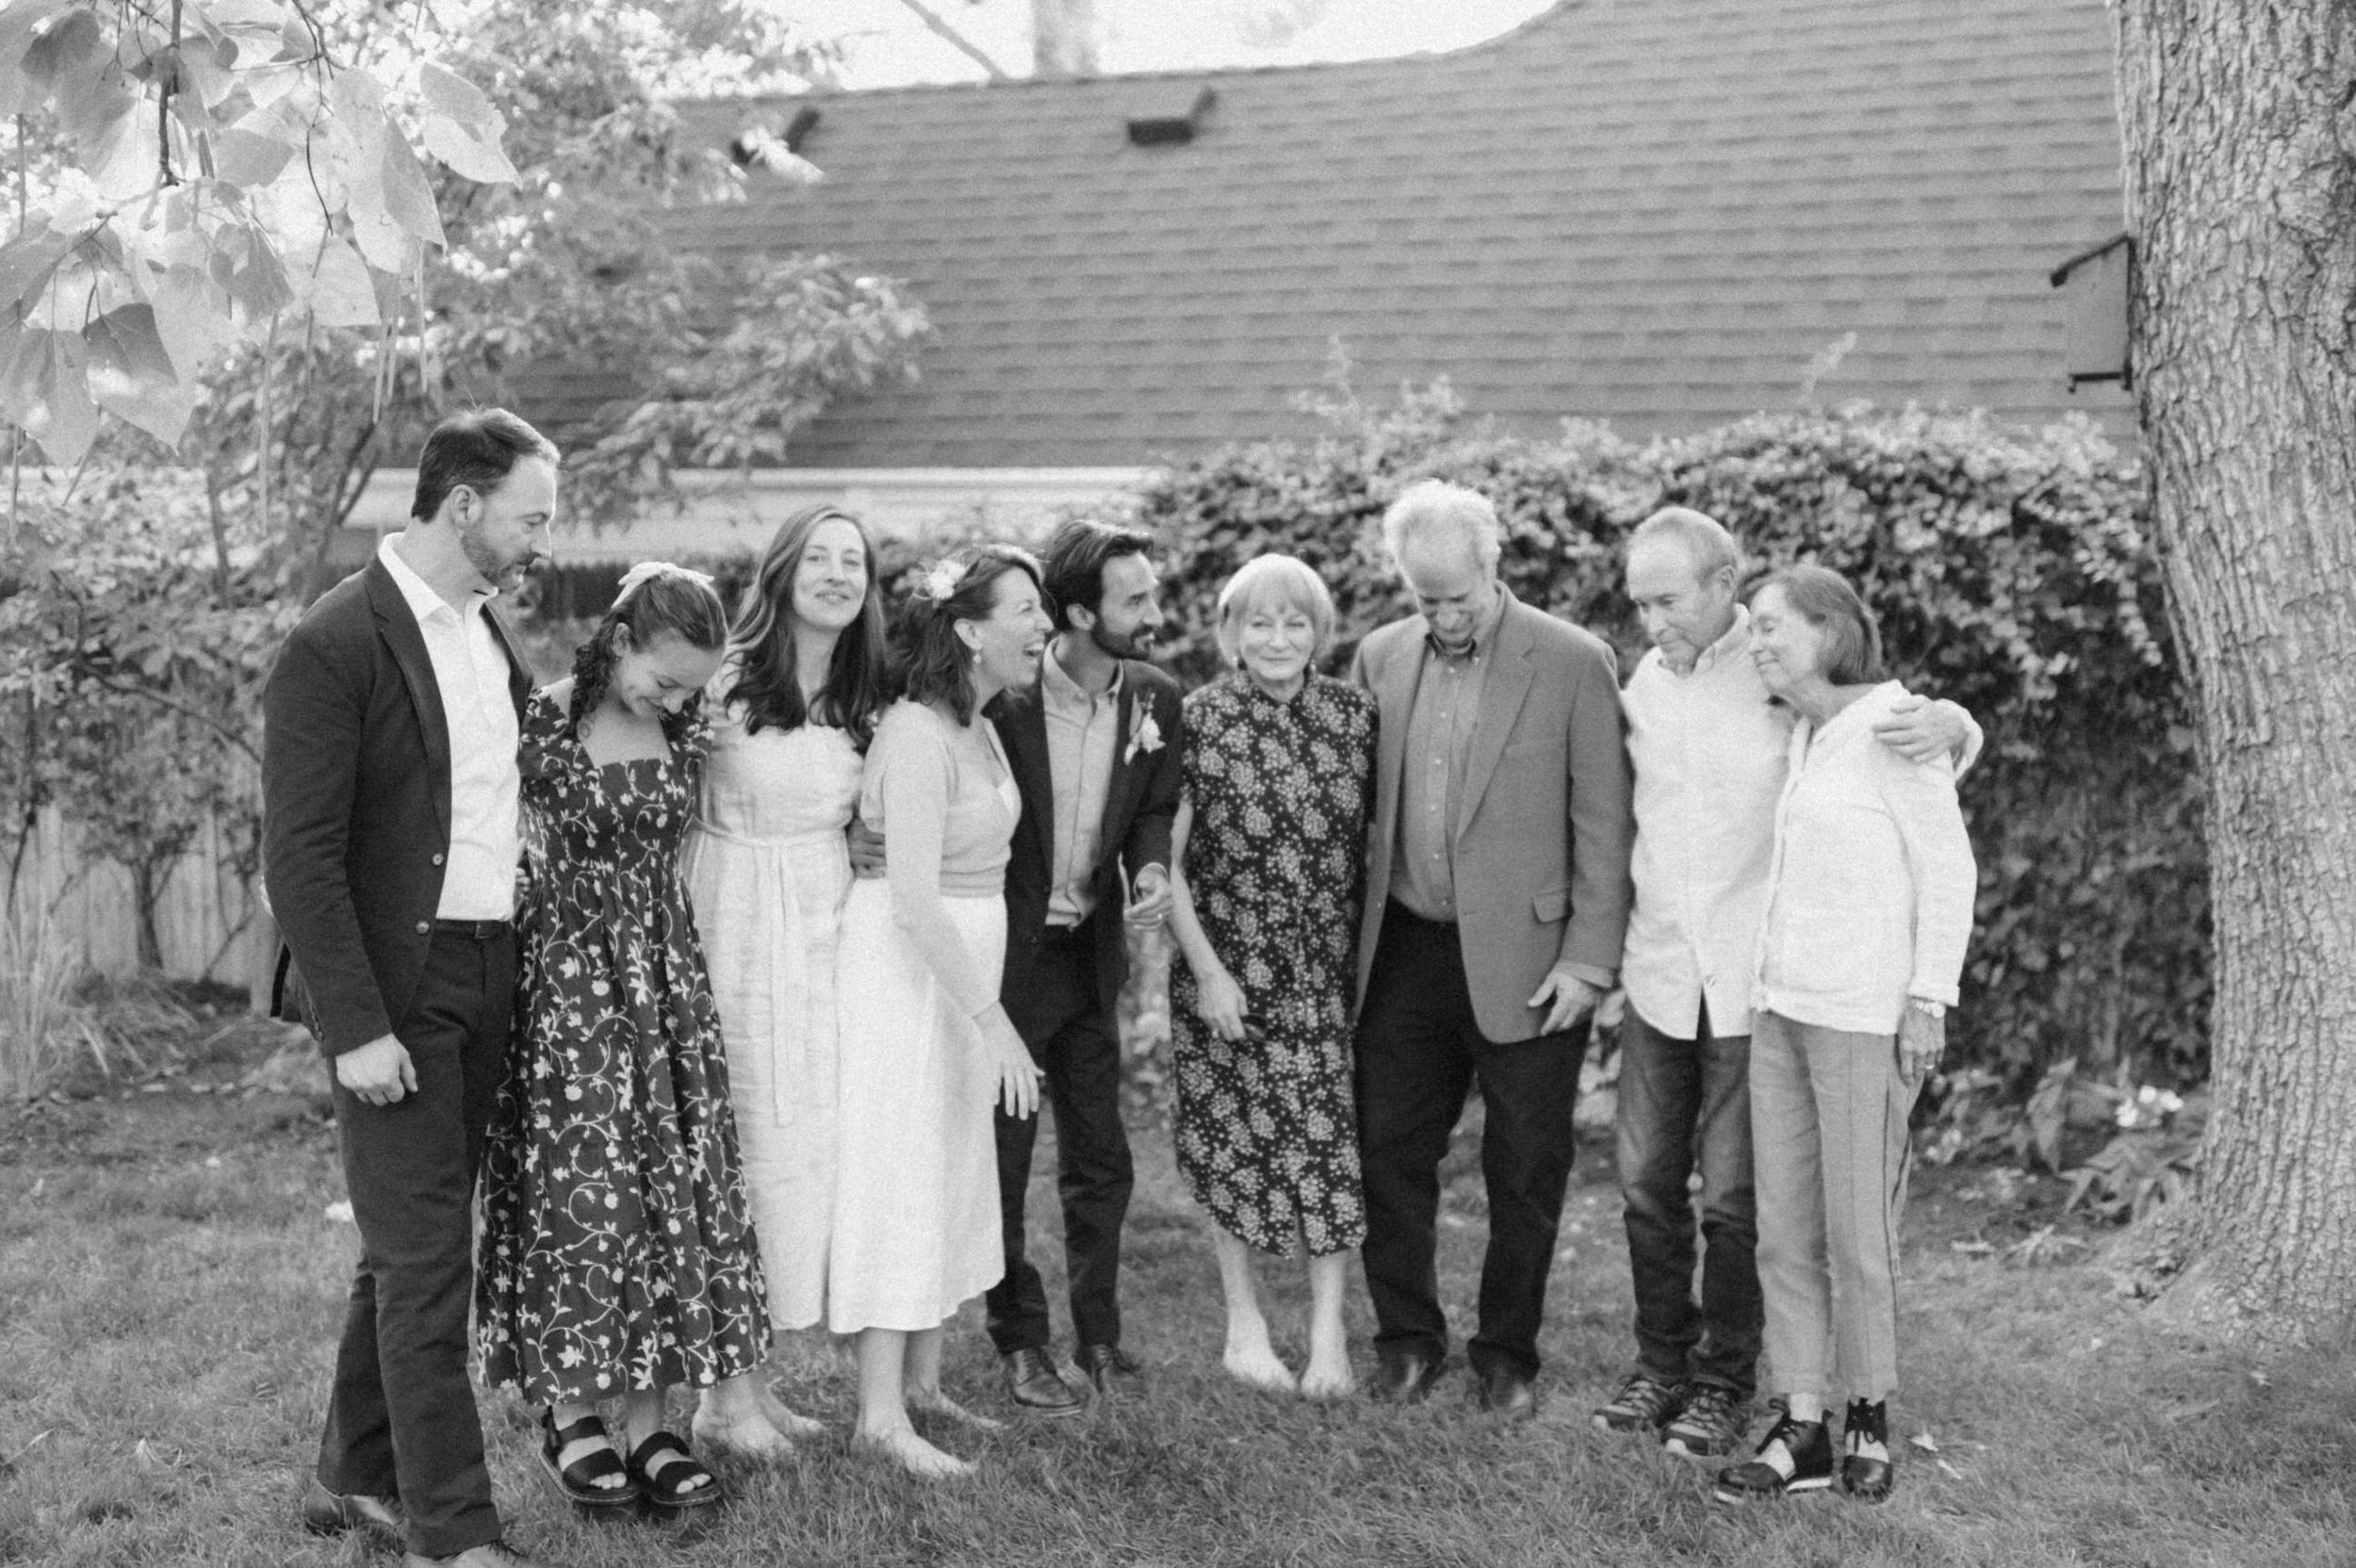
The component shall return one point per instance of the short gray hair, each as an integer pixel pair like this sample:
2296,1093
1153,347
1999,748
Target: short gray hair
1269,580
1707,543
1435,506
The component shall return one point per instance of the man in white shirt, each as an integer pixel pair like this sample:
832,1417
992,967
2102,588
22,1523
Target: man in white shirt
391,850
1708,750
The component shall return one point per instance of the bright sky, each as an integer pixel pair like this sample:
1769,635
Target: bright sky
889,45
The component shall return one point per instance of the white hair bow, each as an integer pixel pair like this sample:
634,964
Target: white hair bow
646,571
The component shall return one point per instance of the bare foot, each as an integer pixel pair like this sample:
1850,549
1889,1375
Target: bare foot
737,1431
793,1422
932,1402
1326,1377
902,1448
1258,1365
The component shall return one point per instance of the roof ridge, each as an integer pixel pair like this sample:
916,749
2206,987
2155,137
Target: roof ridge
1512,37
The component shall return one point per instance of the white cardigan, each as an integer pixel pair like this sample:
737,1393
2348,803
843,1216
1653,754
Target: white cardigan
1869,897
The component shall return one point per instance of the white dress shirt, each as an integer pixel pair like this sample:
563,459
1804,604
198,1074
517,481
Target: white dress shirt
470,671
1080,728
1709,749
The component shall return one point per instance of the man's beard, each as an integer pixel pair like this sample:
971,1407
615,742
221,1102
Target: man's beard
1138,645
496,570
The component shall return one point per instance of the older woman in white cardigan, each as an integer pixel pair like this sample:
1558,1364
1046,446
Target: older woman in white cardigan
1869,912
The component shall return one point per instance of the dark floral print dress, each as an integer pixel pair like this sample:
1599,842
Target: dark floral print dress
1276,864
618,1253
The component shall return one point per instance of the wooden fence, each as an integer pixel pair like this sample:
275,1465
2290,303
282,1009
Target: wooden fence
209,923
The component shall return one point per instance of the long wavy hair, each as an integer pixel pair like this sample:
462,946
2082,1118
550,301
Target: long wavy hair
938,667
679,602
761,641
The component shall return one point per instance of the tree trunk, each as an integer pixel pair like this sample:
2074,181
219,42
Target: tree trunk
147,887
2241,195
1063,38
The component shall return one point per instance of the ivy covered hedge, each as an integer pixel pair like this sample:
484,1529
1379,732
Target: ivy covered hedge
2011,571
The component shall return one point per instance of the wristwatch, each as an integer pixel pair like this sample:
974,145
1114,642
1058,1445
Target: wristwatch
1928,1009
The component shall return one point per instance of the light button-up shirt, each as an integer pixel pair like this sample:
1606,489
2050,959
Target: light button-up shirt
470,671
1081,725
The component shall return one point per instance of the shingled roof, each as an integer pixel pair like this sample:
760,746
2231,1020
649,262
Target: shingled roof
1656,212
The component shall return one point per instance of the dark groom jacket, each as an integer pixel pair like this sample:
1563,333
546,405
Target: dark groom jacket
355,807
1140,803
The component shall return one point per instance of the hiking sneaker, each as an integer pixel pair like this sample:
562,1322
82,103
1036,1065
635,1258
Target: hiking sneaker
1711,1426
1867,1471
1644,1404
1795,1456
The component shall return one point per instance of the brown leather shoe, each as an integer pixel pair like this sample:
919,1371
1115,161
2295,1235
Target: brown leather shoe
1509,1394
491,1554
1405,1378
1111,1369
1035,1384
326,1512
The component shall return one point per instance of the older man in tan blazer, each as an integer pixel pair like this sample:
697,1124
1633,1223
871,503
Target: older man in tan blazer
1497,899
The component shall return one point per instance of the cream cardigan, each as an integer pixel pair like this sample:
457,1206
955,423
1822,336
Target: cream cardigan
1868,896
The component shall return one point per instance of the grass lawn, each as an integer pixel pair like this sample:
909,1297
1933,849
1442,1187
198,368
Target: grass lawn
169,1286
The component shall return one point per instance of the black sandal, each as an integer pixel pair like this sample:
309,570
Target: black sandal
673,1481
579,1480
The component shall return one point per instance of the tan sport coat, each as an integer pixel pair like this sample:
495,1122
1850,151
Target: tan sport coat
1544,827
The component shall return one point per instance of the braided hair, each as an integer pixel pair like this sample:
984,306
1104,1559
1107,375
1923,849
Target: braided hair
655,597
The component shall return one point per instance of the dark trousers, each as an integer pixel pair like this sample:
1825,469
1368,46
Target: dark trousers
1420,1050
401,1418
1077,1043
1685,1109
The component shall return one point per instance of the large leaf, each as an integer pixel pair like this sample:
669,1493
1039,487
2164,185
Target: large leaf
191,317
242,158
62,418
338,290
453,97
131,376
478,159
27,262
408,194
20,88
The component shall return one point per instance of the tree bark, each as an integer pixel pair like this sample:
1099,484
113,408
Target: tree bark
1063,38
2241,196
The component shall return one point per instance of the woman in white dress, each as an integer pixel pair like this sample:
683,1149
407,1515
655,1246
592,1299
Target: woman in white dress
793,708
928,1048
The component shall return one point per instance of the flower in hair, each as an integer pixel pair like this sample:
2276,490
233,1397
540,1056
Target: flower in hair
938,583
646,571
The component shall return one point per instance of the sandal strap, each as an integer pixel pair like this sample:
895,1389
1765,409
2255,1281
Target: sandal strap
658,1474
590,1468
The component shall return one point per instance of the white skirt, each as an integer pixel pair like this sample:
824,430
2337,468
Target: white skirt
916,1231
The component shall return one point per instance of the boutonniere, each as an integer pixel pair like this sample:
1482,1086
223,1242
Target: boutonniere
1144,734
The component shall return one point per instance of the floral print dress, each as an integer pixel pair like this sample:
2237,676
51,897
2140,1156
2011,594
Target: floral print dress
1276,865
616,1250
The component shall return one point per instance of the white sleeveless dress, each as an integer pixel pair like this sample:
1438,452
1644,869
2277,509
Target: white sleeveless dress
768,871
916,1227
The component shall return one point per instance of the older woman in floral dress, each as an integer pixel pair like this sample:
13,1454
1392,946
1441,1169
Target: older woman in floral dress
1270,840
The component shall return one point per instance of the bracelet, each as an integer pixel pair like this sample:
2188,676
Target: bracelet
1927,1008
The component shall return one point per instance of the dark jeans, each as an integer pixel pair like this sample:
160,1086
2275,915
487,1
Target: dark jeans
1685,1107
400,1416
1419,1052
1078,1047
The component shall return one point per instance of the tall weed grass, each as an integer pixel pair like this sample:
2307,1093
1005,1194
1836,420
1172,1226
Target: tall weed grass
38,976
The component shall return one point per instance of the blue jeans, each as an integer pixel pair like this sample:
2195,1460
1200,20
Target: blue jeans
1685,1107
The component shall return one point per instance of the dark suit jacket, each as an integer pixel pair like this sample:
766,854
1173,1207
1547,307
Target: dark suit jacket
355,807
1544,828
1139,804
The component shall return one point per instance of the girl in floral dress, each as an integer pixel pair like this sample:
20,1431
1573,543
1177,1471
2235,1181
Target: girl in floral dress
617,1259
1270,846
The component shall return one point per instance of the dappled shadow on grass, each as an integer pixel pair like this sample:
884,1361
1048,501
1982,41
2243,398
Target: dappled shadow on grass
167,1323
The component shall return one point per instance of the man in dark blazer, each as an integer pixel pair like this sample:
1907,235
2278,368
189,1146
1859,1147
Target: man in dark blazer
391,850
1095,753
1498,896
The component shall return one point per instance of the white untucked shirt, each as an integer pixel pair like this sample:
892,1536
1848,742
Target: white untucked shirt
1708,750
470,670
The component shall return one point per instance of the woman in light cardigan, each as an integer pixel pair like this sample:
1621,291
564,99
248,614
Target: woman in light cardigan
1869,912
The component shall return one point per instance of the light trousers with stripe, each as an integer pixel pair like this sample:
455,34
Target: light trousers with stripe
1828,1140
